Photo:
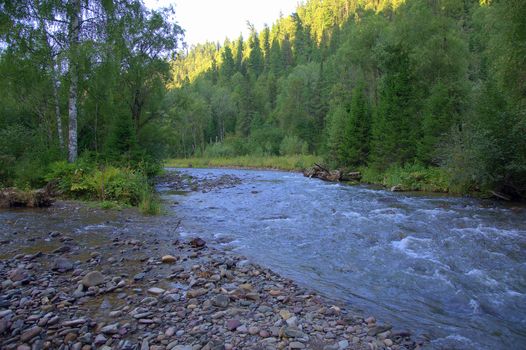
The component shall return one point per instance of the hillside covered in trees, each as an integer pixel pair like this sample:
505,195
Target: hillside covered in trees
415,84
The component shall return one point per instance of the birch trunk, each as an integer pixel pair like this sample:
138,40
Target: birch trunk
57,106
54,80
74,37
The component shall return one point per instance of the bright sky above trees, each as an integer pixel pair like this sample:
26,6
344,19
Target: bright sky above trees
214,20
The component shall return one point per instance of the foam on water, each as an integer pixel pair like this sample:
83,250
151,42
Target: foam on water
452,268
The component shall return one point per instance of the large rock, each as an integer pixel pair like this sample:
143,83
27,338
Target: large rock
168,259
93,278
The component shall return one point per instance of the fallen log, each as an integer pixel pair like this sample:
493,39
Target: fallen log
500,195
13,197
351,176
318,171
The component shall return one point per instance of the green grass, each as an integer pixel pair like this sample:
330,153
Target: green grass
150,203
290,163
409,178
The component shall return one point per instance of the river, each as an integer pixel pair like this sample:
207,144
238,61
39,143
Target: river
452,269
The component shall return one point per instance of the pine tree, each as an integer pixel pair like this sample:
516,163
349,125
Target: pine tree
395,127
228,66
255,59
360,127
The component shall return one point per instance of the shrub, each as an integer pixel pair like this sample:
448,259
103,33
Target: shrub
411,177
292,145
103,183
219,149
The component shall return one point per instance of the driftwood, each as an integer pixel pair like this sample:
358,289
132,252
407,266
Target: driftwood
351,176
13,197
320,172
500,195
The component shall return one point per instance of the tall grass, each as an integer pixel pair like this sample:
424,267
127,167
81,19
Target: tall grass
150,203
291,163
413,177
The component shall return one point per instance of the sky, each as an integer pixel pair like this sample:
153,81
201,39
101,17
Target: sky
214,20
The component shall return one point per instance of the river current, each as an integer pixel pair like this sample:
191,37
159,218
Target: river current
451,269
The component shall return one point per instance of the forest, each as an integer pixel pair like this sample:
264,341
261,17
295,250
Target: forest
433,88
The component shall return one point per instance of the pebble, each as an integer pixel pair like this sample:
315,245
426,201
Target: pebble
194,293
110,329
168,259
62,265
100,339
215,300
18,274
156,291
221,301
30,334
92,279
232,324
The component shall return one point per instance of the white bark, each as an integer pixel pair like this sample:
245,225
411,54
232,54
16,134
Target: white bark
74,37
57,106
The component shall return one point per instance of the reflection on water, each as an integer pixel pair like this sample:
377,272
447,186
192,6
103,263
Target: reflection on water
452,268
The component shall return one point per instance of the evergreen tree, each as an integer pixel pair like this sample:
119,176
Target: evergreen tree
359,133
395,128
228,66
255,62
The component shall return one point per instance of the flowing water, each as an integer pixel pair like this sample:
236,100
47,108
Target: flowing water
451,268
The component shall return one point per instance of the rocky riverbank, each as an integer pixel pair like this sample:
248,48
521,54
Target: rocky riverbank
129,289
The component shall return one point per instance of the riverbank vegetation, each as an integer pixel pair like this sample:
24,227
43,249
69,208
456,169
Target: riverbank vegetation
292,163
84,79
423,94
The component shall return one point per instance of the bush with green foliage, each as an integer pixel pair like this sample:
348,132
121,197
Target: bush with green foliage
292,145
411,177
104,183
